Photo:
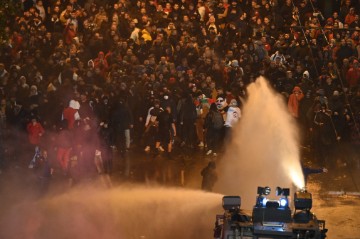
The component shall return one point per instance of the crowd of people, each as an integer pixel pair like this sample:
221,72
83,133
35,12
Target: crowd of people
86,77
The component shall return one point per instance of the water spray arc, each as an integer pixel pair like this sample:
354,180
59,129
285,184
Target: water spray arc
125,212
265,146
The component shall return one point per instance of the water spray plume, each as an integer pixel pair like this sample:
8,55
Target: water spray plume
297,178
131,212
265,148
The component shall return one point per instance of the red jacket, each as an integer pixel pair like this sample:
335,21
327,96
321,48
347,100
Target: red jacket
349,18
69,115
294,99
69,35
353,76
101,63
35,131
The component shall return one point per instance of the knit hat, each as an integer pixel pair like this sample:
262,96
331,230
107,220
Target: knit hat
234,63
33,87
307,74
74,104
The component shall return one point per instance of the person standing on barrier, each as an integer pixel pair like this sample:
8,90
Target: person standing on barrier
152,127
121,122
187,121
166,129
213,125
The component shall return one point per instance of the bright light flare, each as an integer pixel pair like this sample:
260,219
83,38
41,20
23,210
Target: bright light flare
297,178
264,201
292,167
283,202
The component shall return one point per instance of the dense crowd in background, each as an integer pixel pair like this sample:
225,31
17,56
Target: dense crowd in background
82,78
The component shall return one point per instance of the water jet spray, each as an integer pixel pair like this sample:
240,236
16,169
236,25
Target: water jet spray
264,148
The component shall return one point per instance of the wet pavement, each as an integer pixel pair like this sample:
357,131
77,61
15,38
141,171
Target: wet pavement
182,169
336,199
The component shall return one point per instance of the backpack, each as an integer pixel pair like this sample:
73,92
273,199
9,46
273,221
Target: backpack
217,120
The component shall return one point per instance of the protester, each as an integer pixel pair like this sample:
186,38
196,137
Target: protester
209,177
294,101
64,145
213,125
44,170
307,171
167,129
35,132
